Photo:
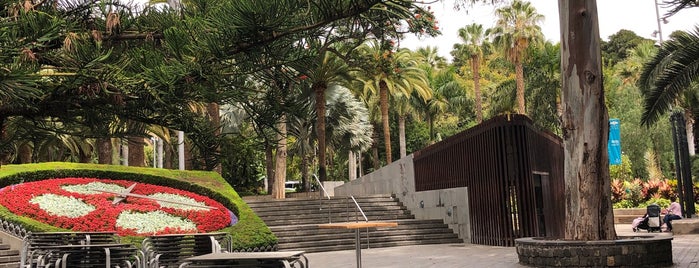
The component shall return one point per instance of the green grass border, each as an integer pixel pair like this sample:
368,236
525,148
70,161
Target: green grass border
250,232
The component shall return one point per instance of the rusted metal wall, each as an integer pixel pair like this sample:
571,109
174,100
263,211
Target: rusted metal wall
497,160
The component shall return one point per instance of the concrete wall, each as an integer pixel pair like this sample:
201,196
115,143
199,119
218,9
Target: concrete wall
398,178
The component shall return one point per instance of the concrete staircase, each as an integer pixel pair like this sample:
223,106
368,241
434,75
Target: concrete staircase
294,221
9,258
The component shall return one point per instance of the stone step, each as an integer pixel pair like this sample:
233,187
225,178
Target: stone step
324,212
10,265
685,226
295,223
373,234
321,220
372,244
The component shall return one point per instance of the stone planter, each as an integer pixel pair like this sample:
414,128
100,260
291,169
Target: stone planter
630,251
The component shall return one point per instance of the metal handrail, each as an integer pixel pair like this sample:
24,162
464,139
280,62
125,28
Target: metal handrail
320,200
321,186
359,208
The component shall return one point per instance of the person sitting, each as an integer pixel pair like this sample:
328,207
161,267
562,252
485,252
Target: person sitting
673,212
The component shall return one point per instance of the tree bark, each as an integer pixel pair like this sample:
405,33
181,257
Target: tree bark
215,119
351,165
689,125
401,136
519,72
589,214
269,164
383,99
305,180
375,149
136,152
278,191
24,153
104,151
319,89
475,65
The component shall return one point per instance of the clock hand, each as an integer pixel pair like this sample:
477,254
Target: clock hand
125,194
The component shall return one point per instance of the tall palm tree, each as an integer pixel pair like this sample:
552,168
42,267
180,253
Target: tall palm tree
328,70
517,28
473,37
390,73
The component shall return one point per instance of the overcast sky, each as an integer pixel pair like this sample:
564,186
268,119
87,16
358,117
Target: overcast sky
614,15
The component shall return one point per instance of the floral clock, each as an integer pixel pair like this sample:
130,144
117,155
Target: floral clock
85,204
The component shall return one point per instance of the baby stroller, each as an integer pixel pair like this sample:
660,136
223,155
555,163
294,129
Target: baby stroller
651,221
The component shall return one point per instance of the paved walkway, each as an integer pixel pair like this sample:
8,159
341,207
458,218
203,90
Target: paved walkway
685,251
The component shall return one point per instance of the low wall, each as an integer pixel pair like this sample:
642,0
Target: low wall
398,178
637,251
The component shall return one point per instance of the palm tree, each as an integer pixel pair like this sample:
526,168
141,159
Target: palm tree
473,37
517,28
328,70
349,128
670,75
390,73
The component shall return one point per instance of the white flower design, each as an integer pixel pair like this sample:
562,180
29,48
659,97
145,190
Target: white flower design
59,205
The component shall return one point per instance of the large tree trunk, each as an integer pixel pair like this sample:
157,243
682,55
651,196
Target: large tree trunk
4,149
215,119
585,127
319,89
519,72
305,180
269,166
136,152
689,125
24,154
401,136
104,151
383,99
375,149
352,165
475,65
278,191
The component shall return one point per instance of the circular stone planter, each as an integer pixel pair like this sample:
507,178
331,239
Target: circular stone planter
630,251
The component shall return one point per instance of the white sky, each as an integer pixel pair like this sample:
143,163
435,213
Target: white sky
614,15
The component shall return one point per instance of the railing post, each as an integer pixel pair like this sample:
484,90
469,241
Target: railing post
321,197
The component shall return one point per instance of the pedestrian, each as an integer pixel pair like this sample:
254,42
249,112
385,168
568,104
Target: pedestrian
673,212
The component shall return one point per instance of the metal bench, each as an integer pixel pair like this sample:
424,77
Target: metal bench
35,245
90,256
171,250
277,259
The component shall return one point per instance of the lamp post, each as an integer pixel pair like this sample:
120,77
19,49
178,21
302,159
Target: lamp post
659,32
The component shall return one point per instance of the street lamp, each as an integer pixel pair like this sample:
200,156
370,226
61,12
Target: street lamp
659,31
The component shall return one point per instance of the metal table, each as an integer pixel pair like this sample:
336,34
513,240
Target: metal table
356,226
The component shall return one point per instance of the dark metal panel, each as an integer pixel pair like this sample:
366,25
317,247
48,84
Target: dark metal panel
496,160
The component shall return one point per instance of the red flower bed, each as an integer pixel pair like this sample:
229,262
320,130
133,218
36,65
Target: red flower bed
17,199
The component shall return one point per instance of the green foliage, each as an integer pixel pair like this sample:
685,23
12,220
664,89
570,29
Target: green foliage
621,172
616,49
242,163
249,232
662,202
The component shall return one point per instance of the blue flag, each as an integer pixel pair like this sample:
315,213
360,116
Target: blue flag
614,142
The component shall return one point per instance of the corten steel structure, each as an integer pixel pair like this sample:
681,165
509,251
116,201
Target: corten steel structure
514,175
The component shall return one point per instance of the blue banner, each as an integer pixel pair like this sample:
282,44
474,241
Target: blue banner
614,142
